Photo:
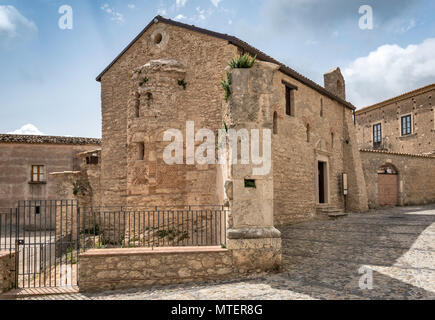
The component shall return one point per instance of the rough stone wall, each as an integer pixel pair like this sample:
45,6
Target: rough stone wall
7,275
205,59
16,160
295,156
416,177
422,139
139,268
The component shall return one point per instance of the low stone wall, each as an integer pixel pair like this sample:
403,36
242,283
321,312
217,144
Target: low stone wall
416,176
112,269
7,273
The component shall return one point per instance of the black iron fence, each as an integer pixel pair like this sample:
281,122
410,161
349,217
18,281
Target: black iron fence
153,228
48,236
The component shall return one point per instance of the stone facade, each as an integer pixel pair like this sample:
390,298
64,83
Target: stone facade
321,129
139,268
142,97
416,176
7,273
19,153
205,59
419,105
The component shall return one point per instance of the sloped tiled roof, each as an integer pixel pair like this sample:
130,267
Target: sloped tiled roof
30,139
244,47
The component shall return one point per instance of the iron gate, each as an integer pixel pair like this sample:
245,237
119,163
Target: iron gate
44,236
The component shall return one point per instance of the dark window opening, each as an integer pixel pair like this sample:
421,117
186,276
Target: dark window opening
308,133
289,109
141,151
92,160
37,210
321,107
406,125
158,38
377,135
249,183
289,98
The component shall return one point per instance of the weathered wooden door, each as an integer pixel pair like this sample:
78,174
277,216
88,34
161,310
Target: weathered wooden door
388,190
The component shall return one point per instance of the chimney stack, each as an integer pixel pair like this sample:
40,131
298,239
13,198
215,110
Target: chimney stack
334,83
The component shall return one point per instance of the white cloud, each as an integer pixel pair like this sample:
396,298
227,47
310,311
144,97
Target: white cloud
180,17
131,6
389,71
115,16
13,23
180,3
216,2
28,129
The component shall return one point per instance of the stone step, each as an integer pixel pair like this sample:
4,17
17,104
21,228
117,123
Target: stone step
337,214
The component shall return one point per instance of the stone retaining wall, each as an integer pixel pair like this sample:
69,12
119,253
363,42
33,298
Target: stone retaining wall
112,269
7,273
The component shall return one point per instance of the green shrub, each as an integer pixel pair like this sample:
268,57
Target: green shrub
182,83
244,61
143,81
226,85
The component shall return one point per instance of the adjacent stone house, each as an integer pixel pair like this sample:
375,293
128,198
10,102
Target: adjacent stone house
171,73
397,142
27,162
403,124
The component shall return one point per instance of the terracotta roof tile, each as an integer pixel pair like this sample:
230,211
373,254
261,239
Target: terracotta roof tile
13,138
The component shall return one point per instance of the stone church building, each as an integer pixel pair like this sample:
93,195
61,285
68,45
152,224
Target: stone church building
171,73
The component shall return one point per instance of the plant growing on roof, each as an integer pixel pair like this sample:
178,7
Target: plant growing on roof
244,61
182,83
143,81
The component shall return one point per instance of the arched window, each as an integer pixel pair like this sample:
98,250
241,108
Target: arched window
275,123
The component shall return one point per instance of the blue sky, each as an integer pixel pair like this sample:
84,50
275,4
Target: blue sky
47,76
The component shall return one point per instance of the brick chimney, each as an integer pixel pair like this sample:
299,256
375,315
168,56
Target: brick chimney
334,82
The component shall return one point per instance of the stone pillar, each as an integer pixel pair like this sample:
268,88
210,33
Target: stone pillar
252,237
7,271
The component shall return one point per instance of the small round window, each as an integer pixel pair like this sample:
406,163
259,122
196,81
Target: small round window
158,38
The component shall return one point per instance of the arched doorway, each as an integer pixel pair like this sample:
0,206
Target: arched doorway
388,186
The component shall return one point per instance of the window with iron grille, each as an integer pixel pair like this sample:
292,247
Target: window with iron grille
377,135
37,173
406,125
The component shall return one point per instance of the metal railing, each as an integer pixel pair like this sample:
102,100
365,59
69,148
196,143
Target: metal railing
153,228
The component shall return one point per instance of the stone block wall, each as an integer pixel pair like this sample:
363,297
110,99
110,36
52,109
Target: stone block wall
205,59
16,160
419,105
7,271
416,176
140,268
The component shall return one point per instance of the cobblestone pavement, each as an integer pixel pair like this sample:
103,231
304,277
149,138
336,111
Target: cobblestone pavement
322,260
